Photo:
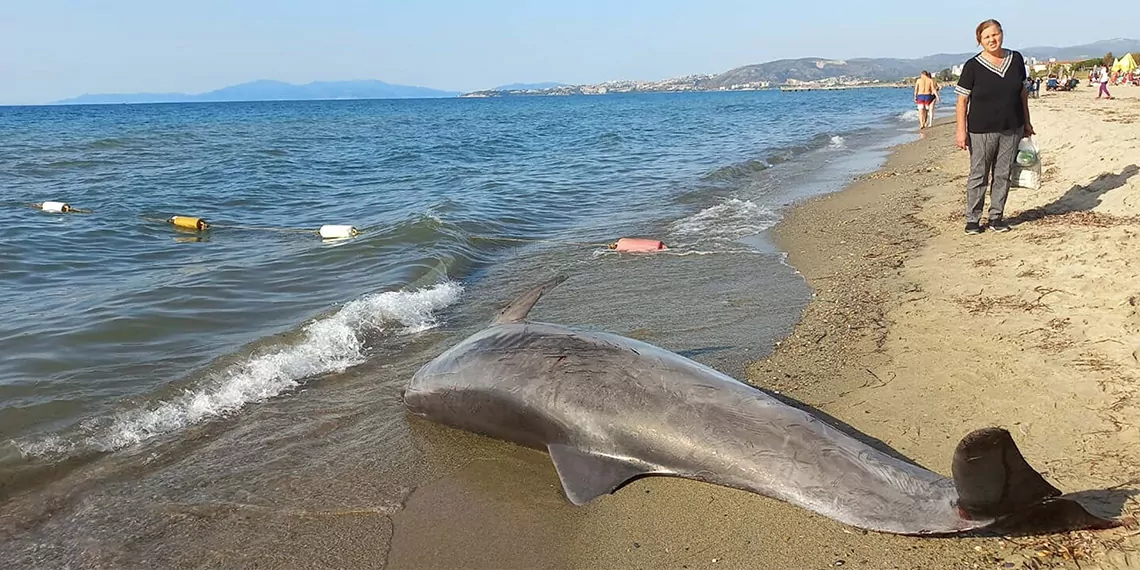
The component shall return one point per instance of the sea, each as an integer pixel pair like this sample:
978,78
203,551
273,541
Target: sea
257,364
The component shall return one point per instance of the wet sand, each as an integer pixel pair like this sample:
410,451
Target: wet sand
916,335
675,523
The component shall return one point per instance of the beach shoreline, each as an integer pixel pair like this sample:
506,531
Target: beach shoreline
915,334
693,525
945,333
335,459
869,355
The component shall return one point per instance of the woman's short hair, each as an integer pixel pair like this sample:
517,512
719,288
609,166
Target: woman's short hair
982,27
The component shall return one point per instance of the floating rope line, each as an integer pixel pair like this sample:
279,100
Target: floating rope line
200,225
57,208
339,231
622,245
264,228
538,240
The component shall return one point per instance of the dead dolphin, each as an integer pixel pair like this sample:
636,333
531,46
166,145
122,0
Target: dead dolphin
609,409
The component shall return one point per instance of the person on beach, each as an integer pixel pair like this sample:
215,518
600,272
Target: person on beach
936,101
925,95
1104,78
993,116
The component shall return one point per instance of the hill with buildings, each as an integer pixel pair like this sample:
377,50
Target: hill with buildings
808,72
818,72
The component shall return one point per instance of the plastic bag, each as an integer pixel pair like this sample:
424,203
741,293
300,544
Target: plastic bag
1026,165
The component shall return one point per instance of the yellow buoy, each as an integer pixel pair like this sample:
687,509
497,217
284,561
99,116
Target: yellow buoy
56,207
189,223
336,232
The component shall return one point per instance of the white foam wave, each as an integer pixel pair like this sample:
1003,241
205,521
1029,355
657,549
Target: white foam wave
910,116
681,250
837,142
731,219
46,446
330,344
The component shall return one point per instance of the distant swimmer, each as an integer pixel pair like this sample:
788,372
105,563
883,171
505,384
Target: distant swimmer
925,96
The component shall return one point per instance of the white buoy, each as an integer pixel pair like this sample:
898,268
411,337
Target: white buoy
55,207
337,232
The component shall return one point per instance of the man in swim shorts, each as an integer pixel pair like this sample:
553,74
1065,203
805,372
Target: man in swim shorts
925,95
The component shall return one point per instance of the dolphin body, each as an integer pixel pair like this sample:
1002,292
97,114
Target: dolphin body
609,409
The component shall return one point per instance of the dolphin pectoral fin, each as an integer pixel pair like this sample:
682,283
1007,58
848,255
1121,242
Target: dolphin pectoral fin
586,476
516,311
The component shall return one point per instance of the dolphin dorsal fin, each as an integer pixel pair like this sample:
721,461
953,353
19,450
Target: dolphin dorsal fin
586,476
517,311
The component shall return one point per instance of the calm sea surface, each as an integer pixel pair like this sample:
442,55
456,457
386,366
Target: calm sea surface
139,356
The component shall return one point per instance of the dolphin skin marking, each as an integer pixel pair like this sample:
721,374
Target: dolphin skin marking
609,409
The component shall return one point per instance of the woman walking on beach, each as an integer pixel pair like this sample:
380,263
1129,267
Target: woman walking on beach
1103,78
993,115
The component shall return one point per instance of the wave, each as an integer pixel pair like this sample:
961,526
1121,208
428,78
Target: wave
737,171
750,168
910,116
107,144
330,344
729,220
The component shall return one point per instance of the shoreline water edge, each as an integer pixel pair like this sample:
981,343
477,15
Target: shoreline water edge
914,335
917,333
842,247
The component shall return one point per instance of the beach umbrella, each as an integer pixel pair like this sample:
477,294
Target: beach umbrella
1116,65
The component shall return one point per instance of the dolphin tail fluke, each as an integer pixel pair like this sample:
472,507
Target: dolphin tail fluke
1052,515
517,311
994,481
992,477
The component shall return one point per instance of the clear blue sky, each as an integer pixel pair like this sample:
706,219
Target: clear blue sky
52,49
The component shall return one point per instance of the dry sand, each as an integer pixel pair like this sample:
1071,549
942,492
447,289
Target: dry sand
917,335
1035,330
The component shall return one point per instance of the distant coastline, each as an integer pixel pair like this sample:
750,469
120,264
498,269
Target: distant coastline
266,90
811,74
804,74
604,89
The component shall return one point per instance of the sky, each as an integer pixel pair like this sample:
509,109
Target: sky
55,49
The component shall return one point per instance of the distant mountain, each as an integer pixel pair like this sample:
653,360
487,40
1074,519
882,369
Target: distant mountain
526,86
813,71
1117,47
888,69
806,69
266,90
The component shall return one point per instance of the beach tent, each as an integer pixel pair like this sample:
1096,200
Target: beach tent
1126,64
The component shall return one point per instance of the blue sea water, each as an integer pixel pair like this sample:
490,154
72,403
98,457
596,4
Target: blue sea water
123,336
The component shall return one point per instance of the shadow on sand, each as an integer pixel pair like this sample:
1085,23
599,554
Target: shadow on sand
1079,198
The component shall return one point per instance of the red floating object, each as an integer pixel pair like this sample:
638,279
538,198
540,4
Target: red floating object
639,245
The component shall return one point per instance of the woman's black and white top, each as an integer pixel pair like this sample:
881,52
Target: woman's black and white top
994,92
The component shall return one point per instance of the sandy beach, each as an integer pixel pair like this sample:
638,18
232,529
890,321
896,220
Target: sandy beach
916,335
